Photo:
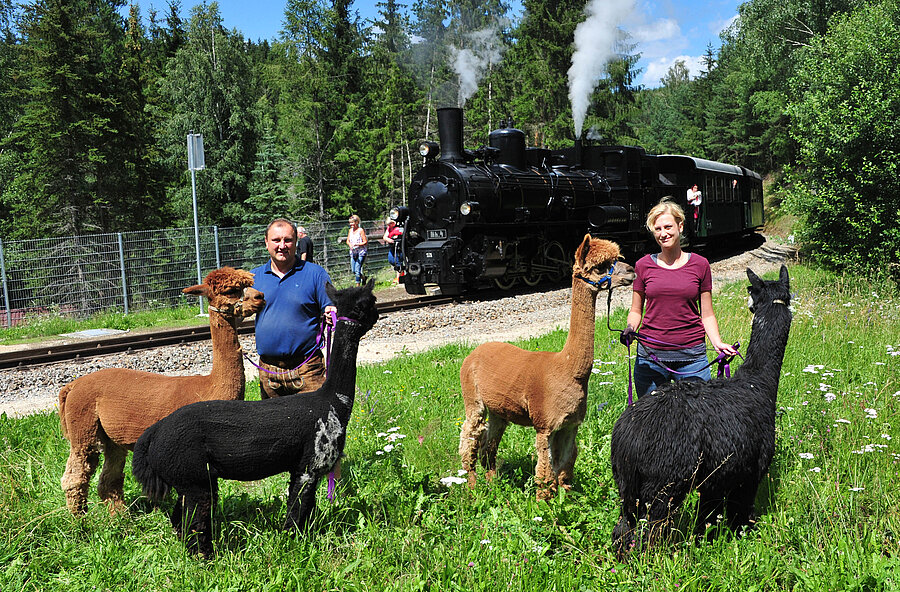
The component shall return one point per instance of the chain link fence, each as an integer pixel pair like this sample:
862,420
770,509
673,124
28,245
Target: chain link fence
78,276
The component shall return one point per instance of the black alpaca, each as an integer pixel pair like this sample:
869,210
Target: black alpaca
717,436
303,434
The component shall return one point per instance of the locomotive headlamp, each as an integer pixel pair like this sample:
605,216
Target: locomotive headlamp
469,207
429,149
399,214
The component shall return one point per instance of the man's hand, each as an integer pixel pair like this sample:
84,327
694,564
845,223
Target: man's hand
327,312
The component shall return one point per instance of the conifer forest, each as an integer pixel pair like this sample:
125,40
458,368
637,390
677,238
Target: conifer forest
324,120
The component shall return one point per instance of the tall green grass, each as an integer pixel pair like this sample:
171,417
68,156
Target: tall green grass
828,522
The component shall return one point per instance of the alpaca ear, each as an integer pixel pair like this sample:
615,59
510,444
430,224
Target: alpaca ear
329,289
582,250
783,276
370,285
754,279
198,290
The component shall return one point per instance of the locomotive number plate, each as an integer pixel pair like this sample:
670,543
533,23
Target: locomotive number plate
439,234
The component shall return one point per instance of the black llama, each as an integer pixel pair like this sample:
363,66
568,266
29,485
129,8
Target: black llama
716,436
302,434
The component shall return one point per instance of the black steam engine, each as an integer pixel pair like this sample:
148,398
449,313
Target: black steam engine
506,213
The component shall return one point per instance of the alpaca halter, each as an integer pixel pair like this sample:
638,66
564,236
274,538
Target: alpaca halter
604,281
232,310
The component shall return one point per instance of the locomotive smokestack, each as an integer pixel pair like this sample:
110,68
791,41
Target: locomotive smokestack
577,153
450,130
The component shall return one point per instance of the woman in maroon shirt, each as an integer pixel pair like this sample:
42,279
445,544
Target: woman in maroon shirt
672,305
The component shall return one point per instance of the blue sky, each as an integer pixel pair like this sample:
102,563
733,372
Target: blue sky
665,30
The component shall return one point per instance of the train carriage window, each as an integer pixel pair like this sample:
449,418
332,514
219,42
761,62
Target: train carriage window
720,188
709,190
668,179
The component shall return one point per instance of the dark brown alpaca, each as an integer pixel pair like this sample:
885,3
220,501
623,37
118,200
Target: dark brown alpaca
106,411
502,383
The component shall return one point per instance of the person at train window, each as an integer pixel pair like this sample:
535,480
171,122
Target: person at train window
357,242
290,358
695,198
392,234
672,305
304,245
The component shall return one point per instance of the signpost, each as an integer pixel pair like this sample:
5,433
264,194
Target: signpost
196,162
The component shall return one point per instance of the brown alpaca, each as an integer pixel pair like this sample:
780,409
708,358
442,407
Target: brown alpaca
547,390
106,411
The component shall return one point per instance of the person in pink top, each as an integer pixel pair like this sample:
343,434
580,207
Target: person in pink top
358,243
672,306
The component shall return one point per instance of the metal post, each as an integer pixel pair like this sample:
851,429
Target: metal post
122,269
5,287
216,240
196,231
196,162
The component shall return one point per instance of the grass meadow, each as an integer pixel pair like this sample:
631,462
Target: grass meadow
829,508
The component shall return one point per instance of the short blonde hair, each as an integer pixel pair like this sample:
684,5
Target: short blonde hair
666,205
355,218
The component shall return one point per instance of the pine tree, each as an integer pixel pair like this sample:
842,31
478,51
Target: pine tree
613,102
533,74
78,133
429,58
391,114
10,111
212,90
322,109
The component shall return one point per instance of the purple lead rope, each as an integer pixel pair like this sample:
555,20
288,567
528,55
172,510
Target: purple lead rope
723,360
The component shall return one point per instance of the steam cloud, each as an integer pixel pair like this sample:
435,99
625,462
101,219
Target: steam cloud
471,63
595,42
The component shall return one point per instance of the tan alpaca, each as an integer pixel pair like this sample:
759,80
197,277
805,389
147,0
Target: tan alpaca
106,411
547,390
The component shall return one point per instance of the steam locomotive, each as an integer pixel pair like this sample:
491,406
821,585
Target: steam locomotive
506,213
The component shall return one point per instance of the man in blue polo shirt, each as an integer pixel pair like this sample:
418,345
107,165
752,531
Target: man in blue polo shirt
286,328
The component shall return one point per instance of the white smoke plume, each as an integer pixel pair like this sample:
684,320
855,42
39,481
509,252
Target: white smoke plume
471,63
595,42
593,134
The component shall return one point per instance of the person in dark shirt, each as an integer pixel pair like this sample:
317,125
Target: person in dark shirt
672,305
304,245
291,360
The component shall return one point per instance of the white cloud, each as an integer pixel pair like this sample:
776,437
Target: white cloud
659,67
655,31
662,40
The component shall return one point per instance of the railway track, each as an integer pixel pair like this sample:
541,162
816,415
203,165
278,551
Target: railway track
50,354
41,355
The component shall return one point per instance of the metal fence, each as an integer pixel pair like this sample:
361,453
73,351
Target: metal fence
78,276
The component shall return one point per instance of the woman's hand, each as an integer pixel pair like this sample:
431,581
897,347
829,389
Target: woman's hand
725,348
